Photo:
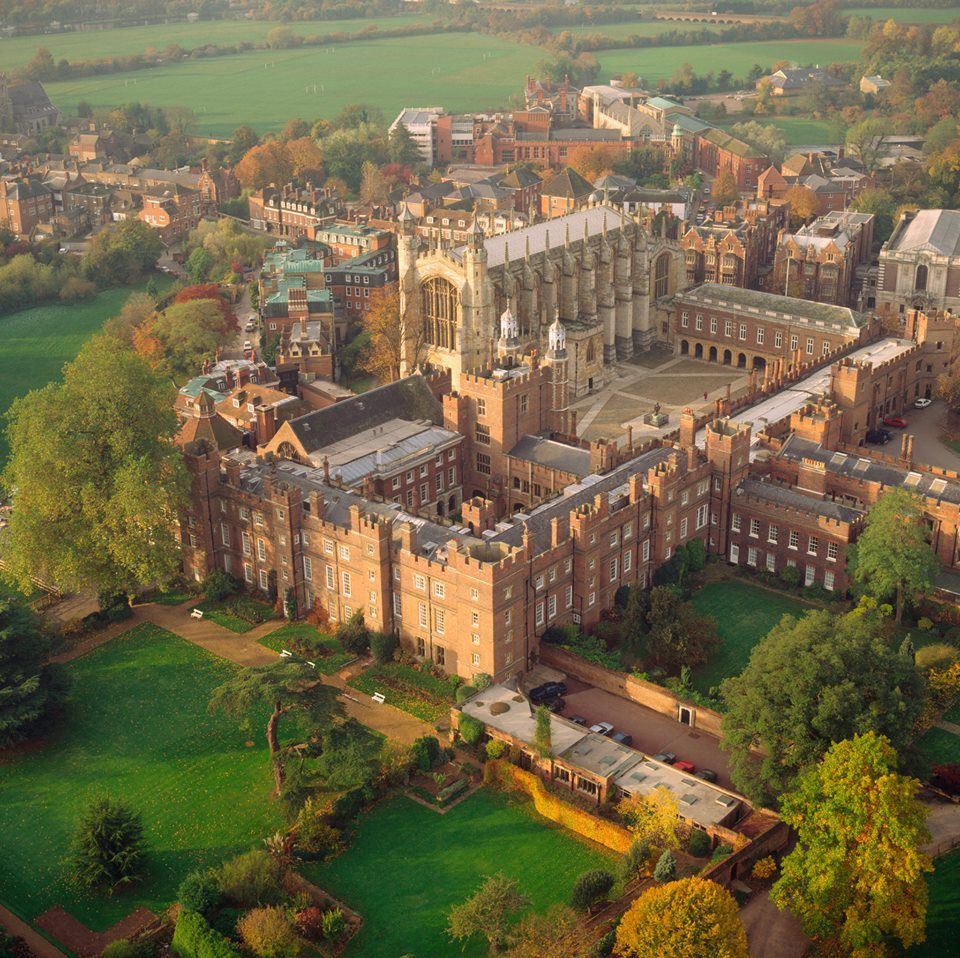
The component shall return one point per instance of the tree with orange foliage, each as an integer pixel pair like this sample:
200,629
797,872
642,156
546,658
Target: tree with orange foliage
210,291
262,165
306,158
725,189
591,161
805,205
388,329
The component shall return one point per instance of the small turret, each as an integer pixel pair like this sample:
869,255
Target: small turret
557,336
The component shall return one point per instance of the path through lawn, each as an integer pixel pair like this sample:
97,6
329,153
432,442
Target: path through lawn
744,614
407,866
137,729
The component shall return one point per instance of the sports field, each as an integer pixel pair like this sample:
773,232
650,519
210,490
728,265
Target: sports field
35,343
904,14
128,41
637,28
458,71
799,130
407,866
738,58
137,728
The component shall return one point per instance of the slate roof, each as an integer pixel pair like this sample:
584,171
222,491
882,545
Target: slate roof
934,230
552,454
568,183
730,143
408,398
792,499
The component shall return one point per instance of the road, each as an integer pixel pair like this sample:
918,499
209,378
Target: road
926,426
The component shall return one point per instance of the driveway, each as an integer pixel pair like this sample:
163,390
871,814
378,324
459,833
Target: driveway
772,933
926,426
651,731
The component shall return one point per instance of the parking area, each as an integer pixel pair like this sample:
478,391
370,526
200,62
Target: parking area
651,731
926,426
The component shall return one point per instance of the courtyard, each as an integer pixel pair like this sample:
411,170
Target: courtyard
407,866
139,730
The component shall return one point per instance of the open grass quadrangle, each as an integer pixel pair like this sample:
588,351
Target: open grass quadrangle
407,866
136,728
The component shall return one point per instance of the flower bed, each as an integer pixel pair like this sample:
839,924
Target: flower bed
309,642
414,690
238,613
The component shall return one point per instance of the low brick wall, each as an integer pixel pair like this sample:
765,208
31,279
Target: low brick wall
652,696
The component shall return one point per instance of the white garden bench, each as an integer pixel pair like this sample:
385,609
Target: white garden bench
196,614
379,698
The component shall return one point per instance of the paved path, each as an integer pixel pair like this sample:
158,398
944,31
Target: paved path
20,929
948,726
943,820
772,933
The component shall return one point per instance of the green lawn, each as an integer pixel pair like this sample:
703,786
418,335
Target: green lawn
738,58
904,14
407,866
744,614
943,913
138,729
799,130
416,692
129,41
952,714
458,71
938,746
36,343
238,613
638,28
333,657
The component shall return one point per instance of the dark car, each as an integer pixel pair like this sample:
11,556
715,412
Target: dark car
667,757
578,720
624,738
878,437
707,774
555,704
549,690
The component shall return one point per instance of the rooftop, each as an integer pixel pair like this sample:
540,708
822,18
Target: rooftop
936,231
786,496
552,454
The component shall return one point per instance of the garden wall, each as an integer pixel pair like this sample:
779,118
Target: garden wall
644,693
554,808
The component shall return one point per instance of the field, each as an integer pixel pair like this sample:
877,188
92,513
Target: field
943,913
458,71
128,41
638,28
137,728
903,14
407,866
744,614
738,58
799,130
36,343
937,746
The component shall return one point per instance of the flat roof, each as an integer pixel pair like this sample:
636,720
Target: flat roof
552,454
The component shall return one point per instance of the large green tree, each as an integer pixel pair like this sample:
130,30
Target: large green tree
30,689
893,554
287,688
108,850
122,253
677,634
190,332
810,682
856,875
487,912
98,482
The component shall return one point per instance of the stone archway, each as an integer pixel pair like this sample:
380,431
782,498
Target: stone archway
698,351
713,354
684,348
741,360
759,363
727,357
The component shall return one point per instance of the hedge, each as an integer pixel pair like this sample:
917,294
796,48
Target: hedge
449,793
552,807
194,938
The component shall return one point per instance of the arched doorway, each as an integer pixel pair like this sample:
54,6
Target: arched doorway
727,357
759,363
713,354
741,360
439,507
684,348
698,351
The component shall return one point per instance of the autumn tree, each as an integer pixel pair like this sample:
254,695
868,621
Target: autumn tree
487,912
810,682
99,483
805,205
893,554
387,329
306,158
689,918
190,332
374,189
864,140
725,189
551,935
264,164
856,876
138,308
653,818
591,161
288,688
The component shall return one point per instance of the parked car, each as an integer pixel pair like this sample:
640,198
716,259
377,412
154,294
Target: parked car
921,403
707,774
556,704
895,422
878,437
578,720
685,766
624,738
247,346
549,690
251,325
602,728
667,758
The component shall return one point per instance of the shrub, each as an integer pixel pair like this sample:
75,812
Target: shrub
448,794
463,693
125,948
699,843
790,576
334,924
720,853
947,777
108,848
353,634
482,681
349,805
938,655
498,708
605,945
924,624
471,729
315,835
226,922
77,290
620,597
696,555
496,748
200,892
309,923
426,752
635,861
383,645
590,887
666,867
268,933
764,868
250,880
194,938
217,585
